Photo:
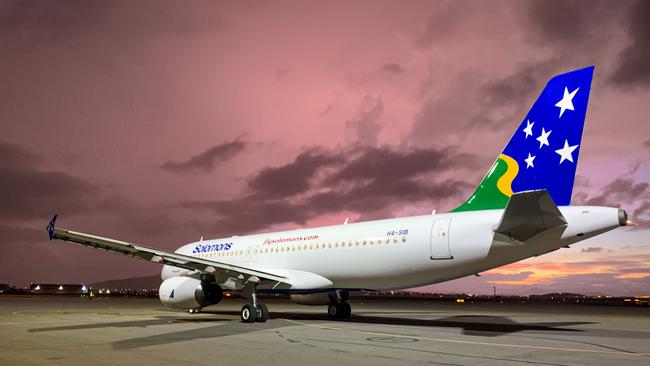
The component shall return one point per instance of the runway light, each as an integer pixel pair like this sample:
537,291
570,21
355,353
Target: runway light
460,301
60,287
37,288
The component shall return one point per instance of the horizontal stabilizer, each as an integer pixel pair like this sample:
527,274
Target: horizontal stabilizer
528,214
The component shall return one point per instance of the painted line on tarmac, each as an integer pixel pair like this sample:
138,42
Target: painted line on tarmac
478,343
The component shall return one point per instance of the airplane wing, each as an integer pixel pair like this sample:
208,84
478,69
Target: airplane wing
163,257
528,214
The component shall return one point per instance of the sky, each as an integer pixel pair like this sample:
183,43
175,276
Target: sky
163,122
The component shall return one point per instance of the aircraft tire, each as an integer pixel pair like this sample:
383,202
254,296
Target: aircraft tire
333,311
339,311
248,313
262,313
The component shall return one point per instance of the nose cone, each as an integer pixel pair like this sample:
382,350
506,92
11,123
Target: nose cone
622,217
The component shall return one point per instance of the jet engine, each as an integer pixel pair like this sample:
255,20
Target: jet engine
189,293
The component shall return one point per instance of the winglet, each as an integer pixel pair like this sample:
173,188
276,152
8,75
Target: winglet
50,227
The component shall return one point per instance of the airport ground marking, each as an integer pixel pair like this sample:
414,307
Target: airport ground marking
478,343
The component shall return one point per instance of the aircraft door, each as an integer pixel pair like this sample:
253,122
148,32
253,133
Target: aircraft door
440,240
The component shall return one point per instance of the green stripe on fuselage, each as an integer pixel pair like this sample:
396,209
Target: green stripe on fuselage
487,196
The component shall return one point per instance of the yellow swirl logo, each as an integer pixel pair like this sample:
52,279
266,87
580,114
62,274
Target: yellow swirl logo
504,184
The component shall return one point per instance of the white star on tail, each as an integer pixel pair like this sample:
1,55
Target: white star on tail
529,128
567,101
543,138
565,152
529,161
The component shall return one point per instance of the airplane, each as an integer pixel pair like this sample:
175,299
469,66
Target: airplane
520,209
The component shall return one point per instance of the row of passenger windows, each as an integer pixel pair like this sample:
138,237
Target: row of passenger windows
293,248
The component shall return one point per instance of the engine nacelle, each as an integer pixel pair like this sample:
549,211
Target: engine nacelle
188,293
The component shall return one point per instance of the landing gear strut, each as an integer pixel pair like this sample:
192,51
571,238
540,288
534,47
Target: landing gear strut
254,311
339,307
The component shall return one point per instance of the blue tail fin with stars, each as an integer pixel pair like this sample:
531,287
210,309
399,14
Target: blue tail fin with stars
543,152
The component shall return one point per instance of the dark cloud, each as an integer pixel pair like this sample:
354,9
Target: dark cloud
27,192
643,209
443,23
620,190
504,100
367,180
641,216
293,178
519,85
208,159
378,198
570,22
634,63
15,156
383,163
392,68
646,144
365,127
43,20
246,215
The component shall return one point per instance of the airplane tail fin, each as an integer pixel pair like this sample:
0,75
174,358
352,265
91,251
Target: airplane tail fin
543,152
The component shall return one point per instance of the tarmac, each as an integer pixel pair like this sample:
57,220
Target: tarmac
121,331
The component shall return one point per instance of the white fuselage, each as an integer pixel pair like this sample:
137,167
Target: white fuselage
394,253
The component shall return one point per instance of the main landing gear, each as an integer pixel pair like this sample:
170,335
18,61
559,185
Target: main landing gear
339,307
254,311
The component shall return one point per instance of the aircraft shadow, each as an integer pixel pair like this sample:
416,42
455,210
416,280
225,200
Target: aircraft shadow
159,320
480,325
473,325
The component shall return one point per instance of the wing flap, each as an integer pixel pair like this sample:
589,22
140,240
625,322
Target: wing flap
528,214
161,256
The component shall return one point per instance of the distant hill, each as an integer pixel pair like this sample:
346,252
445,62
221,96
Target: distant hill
147,282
